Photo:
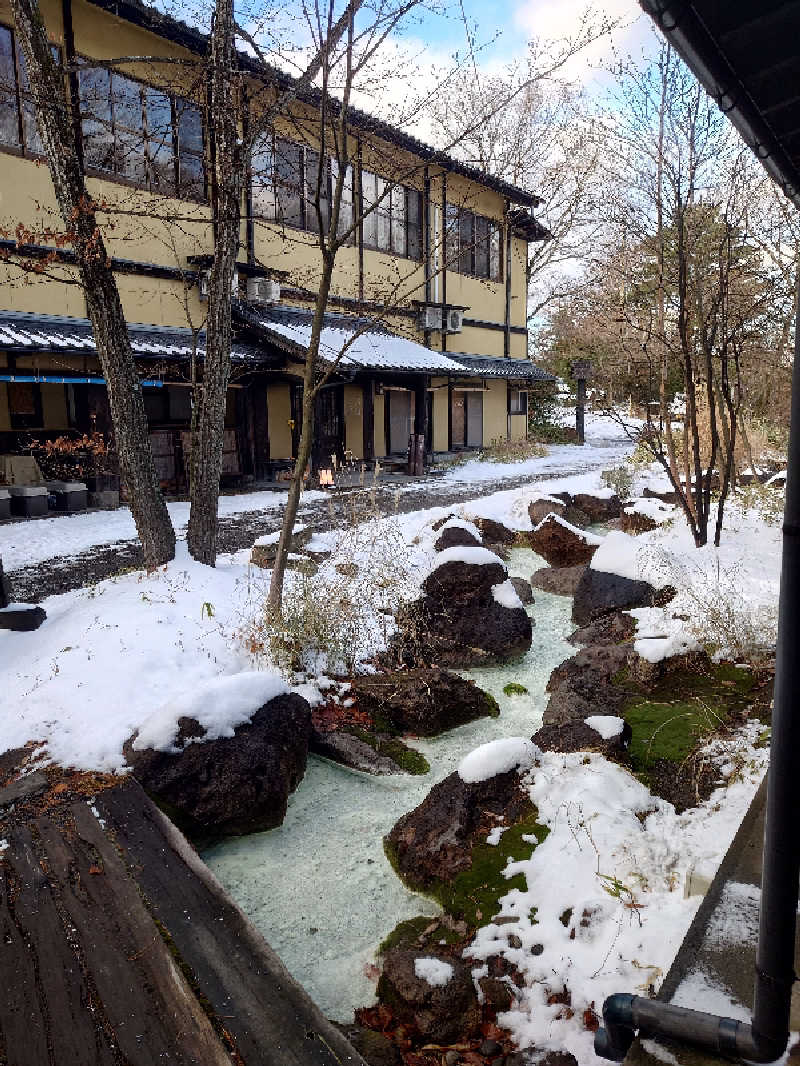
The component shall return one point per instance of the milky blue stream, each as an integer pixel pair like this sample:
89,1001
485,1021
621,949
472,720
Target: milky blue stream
319,888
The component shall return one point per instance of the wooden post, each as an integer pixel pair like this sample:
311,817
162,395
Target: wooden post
581,369
449,414
420,422
368,420
260,427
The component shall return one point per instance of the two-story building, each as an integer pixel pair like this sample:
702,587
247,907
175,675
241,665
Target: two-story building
426,322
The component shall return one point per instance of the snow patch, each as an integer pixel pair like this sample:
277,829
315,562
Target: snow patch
219,705
607,725
506,595
496,757
590,538
436,972
472,556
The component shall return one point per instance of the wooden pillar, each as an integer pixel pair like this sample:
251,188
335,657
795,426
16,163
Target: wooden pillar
243,434
449,414
368,420
257,393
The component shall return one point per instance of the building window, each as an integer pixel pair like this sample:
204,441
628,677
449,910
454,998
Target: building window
142,134
284,180
17,117
472,244
518,402
392,216
25,404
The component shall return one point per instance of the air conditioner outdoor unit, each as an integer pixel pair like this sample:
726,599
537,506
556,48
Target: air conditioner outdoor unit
263,291
430,317
454,321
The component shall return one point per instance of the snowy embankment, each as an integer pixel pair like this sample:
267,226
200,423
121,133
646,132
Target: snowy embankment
604,895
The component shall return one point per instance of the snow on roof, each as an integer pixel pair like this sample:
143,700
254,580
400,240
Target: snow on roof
352,344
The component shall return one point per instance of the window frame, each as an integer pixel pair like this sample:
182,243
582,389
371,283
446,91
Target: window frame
400,221
463,253
20,421
518,408
149,141
22,97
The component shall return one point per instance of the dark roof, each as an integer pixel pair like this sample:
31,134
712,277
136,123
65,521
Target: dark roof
746,56
490,366
194,40
25,332
524,225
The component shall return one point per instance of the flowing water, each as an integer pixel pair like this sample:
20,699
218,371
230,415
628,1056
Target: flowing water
320,888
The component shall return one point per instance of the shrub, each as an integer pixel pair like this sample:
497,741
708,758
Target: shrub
620,479
512,451
765,500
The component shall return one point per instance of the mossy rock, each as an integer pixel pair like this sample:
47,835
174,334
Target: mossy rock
408,759
417,932
513,688
474,895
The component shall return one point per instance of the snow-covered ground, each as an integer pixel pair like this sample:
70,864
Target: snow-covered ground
110,657
29,543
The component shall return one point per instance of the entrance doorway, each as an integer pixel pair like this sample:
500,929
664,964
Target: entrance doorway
329,427
401,420
467,419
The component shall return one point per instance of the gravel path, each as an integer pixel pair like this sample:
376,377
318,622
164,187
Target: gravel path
54,576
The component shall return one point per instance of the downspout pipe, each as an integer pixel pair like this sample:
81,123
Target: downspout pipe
765,1038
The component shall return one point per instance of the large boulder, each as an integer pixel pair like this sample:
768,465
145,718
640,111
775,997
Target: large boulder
229,785
597,508
468,613
582,686
600,593
617,628
559,580
424,701
434,841
579,735
636,522
494,532
591,666
523,590
433,994
539,509
562,544
456,534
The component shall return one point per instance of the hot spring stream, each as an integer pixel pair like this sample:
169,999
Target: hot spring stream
319,888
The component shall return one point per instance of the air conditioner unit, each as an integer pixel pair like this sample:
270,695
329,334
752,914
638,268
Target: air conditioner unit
454,320
430,317
263,291
204,280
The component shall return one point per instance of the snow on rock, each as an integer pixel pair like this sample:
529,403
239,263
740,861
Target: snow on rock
590,538
219,706
627,556
659,635
462,523
607,725
496,757
506,595
436,972
471,556
652,508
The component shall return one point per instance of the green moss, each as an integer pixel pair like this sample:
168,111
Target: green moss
513,688
474,895
408,933
407,759
671,718
492,706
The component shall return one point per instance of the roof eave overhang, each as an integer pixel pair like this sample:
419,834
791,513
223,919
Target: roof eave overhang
681,24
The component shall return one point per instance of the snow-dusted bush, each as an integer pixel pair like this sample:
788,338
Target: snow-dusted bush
512,451
766,500
620,479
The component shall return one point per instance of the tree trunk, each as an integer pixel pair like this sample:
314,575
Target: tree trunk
104,306
209,398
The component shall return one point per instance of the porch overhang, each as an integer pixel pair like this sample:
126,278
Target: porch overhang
489,366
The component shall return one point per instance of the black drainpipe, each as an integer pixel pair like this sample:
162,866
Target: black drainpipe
765,1038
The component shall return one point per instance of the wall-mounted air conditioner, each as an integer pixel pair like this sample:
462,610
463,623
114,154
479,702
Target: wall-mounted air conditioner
454,320
430,317
263,291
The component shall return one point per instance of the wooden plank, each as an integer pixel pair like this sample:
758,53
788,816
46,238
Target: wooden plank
70,1021
22,1027
153,1013
271,1018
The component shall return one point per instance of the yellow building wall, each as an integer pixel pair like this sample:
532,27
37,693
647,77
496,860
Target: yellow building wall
519,427
495,411
353,420
279,411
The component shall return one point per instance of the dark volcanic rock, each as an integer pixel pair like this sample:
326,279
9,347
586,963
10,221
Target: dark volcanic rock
232,785
599,593
597,508
575,735
441,1013
667,496
581,686
559,545
434,841
591,666
617,628
495,532
456,537
576,517
634,523
340,746
540,509
23,618
425,701
560,580
523,589
458,621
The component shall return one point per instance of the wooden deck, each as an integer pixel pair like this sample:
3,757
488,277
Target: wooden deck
120,947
